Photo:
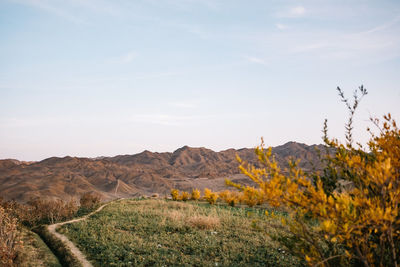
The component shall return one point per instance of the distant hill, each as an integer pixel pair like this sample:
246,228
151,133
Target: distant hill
134,175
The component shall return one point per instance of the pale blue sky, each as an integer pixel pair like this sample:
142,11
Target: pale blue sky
101,78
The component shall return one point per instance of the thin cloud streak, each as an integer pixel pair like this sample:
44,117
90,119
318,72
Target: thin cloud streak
297,11
383,26
256,60
356,42
187,4
162,119
293,12
49,7
281,26
166,119
126,58
184,105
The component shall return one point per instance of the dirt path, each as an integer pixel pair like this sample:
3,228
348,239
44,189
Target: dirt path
74,250
116,188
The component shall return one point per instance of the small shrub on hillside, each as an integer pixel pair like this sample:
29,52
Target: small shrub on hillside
252,196
90,201
15,209
195,194
230,197
210,196
9,241
175,194
40,211
184,196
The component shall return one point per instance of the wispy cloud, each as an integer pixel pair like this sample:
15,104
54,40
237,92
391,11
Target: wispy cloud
292,12
188,4
162,119
184,105
125,58
28,122
76,11
383,26
53,8
193,29
347,47
256,60
177,120
297,11
281,26
374,42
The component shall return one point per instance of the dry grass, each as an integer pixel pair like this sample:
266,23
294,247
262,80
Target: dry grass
204,222
174,215
180,214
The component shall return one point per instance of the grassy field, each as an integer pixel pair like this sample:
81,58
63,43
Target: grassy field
167,233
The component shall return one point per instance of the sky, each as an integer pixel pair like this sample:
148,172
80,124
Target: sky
95,78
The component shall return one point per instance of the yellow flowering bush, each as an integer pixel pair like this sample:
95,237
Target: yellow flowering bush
230,197
175,194
195,194
210,196
331,225
184,196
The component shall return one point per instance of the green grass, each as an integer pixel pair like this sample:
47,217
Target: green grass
167,233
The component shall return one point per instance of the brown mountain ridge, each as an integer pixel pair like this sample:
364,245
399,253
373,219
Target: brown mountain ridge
134,175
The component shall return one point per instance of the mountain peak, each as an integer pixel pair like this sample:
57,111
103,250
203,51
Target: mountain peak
184,148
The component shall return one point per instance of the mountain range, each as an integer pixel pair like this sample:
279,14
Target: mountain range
145,173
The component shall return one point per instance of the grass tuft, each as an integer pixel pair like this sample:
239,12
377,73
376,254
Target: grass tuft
204,222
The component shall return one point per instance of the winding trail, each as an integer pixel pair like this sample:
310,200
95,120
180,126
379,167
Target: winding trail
71,246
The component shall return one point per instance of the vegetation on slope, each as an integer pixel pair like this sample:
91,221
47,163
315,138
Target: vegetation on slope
21,247
34,252
159,232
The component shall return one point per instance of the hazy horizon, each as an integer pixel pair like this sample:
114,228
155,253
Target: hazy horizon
102,78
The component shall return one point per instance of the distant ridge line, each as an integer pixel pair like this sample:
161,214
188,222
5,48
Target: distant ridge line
138,174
